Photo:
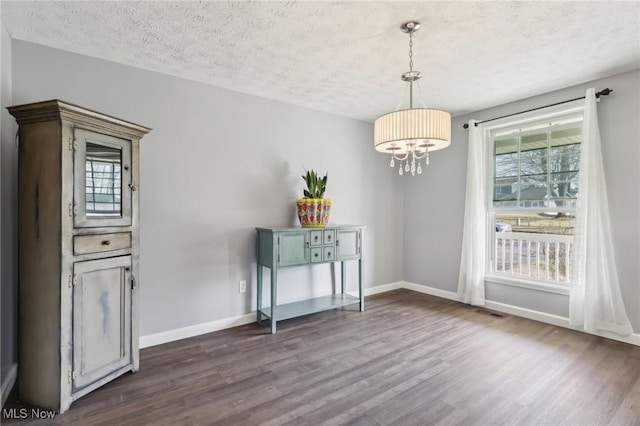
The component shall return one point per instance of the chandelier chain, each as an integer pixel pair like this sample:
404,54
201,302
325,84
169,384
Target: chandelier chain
411,52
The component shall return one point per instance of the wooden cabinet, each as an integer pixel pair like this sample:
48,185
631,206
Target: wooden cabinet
288,247
78,251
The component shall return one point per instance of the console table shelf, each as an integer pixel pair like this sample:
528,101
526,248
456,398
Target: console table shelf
289,247
311,306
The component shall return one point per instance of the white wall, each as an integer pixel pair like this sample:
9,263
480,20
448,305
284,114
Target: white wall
217,164
434,203
8,222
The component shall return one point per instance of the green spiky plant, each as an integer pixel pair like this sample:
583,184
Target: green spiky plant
315,184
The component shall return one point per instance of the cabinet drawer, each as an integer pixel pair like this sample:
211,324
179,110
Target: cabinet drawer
316,254
329,236
315,238
329,254
84,244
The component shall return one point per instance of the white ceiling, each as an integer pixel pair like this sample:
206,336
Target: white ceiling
346,57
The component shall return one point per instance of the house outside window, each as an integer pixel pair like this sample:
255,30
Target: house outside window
534,169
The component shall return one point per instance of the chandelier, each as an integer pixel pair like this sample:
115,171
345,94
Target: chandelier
409,135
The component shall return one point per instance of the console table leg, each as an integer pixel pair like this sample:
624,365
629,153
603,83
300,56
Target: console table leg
343,275
259,299
360,284
274,298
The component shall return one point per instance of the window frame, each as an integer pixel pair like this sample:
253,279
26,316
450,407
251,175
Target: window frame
555,112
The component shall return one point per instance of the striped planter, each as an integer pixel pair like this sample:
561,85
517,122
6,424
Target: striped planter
313,212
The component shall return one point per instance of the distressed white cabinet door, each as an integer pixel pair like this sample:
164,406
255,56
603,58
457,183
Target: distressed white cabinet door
101,319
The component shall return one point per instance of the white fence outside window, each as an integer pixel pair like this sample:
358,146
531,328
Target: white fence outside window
538,256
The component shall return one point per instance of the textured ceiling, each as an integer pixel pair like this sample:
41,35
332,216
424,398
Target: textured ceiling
346,57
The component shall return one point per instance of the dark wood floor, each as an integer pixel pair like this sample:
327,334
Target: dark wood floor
409,359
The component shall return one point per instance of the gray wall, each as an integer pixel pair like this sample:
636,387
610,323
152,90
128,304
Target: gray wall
8,218
434,203
217,164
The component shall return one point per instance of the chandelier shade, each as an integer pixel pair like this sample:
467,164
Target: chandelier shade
413,129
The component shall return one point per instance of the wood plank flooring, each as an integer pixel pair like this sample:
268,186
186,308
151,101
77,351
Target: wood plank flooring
409,359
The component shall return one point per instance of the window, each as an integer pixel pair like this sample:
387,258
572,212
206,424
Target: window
535,171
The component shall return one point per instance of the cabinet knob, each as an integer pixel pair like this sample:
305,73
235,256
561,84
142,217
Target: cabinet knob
106,242
316,255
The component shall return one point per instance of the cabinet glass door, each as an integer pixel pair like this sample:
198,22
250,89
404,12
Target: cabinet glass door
102,180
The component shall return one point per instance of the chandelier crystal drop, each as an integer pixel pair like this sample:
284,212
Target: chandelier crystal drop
409,135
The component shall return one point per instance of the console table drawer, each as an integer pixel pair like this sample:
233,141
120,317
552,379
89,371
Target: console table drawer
315,238
316,254
329,236
329,254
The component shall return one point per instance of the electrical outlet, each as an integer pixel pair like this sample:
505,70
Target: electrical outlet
242,286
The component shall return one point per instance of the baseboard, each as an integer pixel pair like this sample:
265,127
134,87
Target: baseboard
8,383
564,322
445,294
198,329
529,314
383,288
195,330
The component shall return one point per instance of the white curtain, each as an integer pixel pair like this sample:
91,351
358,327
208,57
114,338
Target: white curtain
474,240
595,300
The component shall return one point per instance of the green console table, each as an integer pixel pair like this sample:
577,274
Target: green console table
288,247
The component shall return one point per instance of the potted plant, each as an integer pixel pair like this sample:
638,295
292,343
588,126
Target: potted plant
313,209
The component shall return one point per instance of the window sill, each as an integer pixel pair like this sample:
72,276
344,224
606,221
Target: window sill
531,284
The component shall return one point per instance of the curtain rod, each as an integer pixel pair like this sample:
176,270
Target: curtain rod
603,92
